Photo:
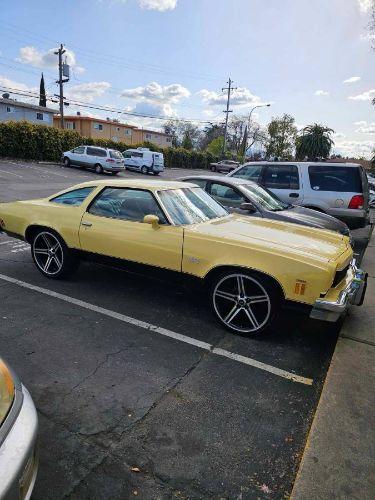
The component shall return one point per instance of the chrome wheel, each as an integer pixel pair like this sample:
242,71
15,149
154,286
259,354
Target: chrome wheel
48,253
242,303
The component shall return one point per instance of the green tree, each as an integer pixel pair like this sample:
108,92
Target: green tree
216,146
42,93
314,142
281,137
187,143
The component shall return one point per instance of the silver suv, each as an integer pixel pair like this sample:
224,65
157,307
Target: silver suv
98,159
338,189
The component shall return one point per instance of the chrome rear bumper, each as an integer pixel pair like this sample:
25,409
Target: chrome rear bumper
354,293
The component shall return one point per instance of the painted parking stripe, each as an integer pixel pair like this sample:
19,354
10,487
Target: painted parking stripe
43,170
6,242
162,331
11,173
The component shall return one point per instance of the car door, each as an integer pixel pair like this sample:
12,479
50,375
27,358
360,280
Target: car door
284,181
77,156
227,196
113,226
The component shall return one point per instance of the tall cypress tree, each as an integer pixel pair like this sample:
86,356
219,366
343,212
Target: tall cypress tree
42,93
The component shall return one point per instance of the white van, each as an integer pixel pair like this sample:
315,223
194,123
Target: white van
144,160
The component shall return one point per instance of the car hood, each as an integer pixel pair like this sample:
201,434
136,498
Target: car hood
312,218
289,238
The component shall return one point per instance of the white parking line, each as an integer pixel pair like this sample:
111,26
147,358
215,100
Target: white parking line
162,331
6,242
11,173
44,170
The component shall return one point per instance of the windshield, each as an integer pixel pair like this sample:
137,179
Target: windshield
264,198
190,205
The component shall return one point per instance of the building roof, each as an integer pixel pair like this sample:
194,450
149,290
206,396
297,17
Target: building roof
97,120
20,104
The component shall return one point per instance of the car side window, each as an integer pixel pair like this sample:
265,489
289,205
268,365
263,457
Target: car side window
126,204
281,177
75,197
226,195
96,152
249,172
80,150
199,182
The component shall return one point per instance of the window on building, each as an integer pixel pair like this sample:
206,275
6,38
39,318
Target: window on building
98,126
10,109
70,125
39,116
169,139
148,136
127,131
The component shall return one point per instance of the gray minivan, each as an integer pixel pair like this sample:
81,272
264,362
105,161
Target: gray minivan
338,189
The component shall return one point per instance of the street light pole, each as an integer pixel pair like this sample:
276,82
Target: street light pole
251,112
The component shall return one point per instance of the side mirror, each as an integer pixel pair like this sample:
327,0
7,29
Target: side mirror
151,219
248,207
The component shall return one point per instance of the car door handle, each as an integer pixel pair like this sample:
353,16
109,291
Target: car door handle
87,224
293,195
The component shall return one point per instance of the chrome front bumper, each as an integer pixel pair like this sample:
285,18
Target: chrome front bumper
354,293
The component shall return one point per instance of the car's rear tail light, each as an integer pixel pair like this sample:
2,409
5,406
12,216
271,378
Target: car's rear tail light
110,160
357,201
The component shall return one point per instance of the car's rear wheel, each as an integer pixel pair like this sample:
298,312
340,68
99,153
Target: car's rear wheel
156,173
98,169
144,169
51,255
66,162
246,303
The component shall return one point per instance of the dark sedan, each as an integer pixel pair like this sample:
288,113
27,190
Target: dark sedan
248,198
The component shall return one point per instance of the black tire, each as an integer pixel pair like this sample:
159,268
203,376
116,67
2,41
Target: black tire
98,169
250,312
156,173
144,170
66,162
114,173
51,255
213,169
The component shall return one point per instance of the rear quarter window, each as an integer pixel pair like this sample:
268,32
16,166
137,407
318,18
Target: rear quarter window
340,179
73,198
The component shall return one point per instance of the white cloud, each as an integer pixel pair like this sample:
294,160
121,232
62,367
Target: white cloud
239,97
355,149
31,55
366,128
6,83
364,6
87,92
160,5
365,96
367,37
338,135
352,79
361,123
156,93
321,93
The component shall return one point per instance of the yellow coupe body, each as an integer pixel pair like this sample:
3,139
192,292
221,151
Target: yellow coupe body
304,262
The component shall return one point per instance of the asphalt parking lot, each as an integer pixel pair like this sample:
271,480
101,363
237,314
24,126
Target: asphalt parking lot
140,394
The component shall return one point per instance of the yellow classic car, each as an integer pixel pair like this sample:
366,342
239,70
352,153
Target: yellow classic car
250,266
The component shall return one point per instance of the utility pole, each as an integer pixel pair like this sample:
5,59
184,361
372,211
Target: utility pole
61,82
227,111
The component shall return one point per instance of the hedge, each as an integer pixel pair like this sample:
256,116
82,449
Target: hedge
27,141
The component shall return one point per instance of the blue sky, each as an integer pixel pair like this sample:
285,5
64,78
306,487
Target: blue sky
172,57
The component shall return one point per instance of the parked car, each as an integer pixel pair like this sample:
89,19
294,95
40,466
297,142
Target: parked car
18,437
372,199
248,198
250,266
95,158
143,160
224,166
338,189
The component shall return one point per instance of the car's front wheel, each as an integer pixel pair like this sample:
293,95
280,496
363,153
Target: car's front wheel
246,303
144,170
66,162
213,169
51,255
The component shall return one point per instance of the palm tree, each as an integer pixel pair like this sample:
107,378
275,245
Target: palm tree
314,142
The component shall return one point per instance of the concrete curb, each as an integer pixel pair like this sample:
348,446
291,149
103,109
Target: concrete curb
339,456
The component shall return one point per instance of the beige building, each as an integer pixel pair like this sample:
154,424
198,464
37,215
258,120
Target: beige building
112,130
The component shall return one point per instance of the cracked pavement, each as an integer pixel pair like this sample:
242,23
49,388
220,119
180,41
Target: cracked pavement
127,413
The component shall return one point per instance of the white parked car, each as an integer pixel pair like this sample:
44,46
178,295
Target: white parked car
95,158
144,160
338,189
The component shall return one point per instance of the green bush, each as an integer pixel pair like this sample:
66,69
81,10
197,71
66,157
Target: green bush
27,141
